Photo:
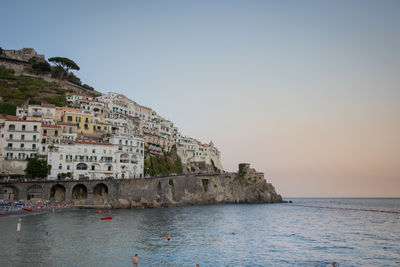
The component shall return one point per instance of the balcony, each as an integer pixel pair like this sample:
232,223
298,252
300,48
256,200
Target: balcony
23,131
21,149
21,140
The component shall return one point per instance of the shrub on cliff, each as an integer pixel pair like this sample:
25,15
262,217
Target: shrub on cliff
162,165
40,67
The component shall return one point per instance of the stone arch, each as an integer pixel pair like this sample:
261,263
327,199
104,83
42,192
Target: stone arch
79,193
100,193
9,192
57,193
34,192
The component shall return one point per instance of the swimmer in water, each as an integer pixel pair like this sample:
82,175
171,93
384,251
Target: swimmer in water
135,259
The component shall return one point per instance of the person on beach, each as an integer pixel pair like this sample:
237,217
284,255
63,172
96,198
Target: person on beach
135,259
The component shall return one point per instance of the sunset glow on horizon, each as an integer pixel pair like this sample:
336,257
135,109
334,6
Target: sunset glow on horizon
307,92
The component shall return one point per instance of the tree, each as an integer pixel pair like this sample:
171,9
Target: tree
8,108
37,168
65,63
62,66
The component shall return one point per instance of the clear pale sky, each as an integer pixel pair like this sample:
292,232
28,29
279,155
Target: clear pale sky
306,91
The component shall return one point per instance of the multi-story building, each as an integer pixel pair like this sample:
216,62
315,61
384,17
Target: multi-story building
72,98
22,140
50,138
121,158
82,160
197,156
84,121
129,156
44,112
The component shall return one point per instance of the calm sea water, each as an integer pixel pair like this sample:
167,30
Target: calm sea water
265,235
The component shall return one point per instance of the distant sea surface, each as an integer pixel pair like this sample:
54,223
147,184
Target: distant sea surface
216,235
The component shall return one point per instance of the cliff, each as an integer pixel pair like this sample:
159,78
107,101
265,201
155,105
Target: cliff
194,190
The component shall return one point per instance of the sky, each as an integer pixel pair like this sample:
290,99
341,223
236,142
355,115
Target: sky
308,92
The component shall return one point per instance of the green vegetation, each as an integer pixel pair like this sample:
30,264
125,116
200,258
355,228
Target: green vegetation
16,90
37,168
160,165
8,108
66,175
7,73
65,63
40,67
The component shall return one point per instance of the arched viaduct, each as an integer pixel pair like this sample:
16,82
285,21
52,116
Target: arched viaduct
92,192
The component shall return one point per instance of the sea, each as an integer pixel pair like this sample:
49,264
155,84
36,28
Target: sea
347,231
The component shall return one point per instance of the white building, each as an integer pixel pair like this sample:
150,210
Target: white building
83,160
21,140
192,151
96,160
129,156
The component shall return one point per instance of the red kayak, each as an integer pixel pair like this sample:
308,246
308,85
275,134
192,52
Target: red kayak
100,211
107,218
26,209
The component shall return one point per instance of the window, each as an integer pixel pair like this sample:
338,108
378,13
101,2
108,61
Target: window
33,146
22,137
56,133
93,150
61,157
93,167
67,167
34,137
9,145
60,166
81,166
85,150
11,127
23,127
69,118
22,145
10,137
35,128
43,140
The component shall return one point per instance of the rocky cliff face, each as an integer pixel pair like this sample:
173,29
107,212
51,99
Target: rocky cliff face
243,187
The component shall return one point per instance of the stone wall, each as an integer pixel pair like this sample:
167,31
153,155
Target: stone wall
152,192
